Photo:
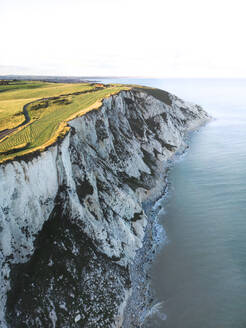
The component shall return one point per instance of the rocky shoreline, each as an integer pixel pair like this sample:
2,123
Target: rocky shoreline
142,304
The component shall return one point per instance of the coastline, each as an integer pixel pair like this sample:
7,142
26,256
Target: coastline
112,164
142,304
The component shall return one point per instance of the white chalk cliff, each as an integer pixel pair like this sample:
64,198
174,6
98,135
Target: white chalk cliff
92,185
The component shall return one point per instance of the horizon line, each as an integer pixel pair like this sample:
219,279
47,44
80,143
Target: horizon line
115,77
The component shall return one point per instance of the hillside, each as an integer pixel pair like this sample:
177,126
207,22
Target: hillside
34,114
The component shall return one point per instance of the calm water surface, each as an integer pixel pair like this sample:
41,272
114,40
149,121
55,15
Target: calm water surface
200,274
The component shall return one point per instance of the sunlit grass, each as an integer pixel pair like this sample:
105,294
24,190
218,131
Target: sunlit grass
48,116
14,96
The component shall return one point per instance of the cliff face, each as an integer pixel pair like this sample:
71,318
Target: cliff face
73,216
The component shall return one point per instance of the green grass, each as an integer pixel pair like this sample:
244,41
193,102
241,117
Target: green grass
14,96
50,106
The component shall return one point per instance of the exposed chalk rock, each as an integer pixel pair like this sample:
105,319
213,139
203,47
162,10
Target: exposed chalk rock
88,189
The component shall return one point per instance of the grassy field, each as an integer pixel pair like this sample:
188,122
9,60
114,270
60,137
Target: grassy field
49,106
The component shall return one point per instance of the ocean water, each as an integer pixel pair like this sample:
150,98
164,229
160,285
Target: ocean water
200,273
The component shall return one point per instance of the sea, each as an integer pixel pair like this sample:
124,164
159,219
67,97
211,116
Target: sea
199,275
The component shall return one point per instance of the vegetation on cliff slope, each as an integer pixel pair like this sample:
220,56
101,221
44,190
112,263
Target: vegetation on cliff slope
34,114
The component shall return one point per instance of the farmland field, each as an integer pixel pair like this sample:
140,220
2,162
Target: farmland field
48,108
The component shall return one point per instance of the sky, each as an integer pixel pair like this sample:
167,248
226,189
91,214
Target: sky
157,38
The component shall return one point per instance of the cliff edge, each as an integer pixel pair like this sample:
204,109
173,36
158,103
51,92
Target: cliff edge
72,220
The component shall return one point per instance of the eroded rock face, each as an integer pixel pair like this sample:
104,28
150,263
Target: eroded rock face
85,196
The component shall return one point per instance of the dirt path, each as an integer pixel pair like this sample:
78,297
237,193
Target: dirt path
6,132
